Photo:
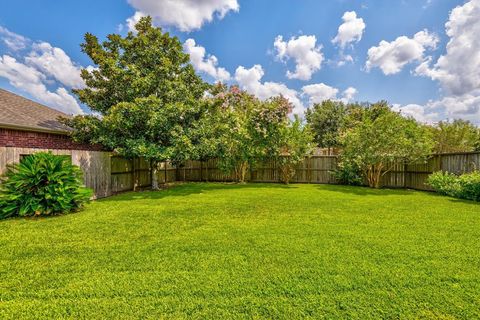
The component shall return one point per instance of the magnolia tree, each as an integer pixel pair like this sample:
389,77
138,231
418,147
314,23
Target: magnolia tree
146,94
376,137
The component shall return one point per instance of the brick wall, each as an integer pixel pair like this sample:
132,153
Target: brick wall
25,139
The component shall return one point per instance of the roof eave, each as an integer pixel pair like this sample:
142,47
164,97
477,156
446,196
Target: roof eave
30,129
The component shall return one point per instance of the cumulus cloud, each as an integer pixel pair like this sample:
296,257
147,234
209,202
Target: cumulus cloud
31,80
391,57
203,62
133,20
320,92
186,15
351,30
35,67
12,40
56,63
349,94
250,80
420,113
450,107
458,69
303,50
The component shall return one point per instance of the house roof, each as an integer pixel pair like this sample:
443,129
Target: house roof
17,112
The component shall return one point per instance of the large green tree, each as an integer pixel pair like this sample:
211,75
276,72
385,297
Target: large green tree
375,138
456,136
145,95
326,120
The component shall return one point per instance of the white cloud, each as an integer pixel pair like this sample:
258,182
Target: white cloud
420,113
451,107
458,69
319,92
133,20
391,57
203,62
12,40
250,80
349,94
31,80
351,30
303,50
186,15
56,63
42,68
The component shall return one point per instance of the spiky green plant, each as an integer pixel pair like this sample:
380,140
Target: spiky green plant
42,184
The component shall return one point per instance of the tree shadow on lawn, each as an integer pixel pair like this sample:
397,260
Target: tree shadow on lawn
366,191
190,188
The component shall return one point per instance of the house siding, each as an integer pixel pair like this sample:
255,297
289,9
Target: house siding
41,140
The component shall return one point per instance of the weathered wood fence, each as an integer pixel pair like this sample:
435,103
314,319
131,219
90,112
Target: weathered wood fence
319,169
109,174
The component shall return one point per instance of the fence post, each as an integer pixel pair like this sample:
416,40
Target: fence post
166,173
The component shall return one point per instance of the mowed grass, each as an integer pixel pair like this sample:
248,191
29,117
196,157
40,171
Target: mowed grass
247,251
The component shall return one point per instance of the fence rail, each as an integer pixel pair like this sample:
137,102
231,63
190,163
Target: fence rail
109,174
319,169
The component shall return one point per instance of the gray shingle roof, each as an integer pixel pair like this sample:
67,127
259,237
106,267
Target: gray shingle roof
17,112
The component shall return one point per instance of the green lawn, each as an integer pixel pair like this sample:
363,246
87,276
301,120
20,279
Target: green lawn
247,251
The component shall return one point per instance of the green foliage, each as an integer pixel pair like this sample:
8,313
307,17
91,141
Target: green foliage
244,130
146,94
232,130
326,120
456,136
465,186
295,143
444,183
42,184
348,173
376,137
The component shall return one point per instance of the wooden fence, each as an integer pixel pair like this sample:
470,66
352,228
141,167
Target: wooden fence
319,169
109,174
133,174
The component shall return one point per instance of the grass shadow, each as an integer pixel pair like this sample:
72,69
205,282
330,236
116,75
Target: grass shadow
365,191
190,188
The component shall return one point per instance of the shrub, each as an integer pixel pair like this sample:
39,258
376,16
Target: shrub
470,186
444,183
42,184
348,173
465,186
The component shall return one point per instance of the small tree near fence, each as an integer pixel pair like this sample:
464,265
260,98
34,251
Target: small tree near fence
295,144
376,138
252,130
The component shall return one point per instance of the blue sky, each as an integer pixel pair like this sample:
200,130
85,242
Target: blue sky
40,52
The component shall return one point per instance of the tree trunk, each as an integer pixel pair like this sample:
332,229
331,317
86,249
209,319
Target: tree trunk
154,175
374,175
241,171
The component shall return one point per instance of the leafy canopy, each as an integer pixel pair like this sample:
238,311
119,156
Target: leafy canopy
456,136
376,137
326,120
146,94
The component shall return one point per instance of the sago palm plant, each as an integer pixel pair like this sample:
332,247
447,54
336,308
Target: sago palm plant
42,184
